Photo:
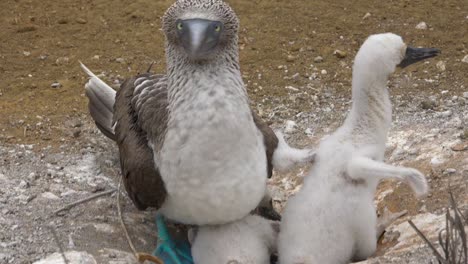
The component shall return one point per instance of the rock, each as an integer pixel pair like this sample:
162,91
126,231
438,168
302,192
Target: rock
450,171
324,72
460,147
62,61
390,236
429,224
447,113
56,85
290,58
465,59
26,53
290,126
421,26
441,66
28,28
50,196
103,227
436,161
76,132
62,21
455,122
465,94
292,88
73,257
340,54
118,257
464,134
318,59
428,104
81,20
120,60
366,16
24,184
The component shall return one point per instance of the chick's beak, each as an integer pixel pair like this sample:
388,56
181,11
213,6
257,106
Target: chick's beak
414,55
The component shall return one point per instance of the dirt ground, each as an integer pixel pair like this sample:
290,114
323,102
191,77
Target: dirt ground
47,131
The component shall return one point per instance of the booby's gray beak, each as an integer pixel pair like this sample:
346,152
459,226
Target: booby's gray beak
414,55
199,36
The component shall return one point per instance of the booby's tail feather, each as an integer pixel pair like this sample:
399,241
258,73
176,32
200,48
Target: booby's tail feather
365,168
101,102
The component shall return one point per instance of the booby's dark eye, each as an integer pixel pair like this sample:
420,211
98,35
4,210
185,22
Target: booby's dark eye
180,26
217,28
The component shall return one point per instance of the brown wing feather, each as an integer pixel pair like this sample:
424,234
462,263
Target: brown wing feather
269,139
141,178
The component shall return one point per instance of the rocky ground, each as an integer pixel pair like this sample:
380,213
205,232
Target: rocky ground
296,61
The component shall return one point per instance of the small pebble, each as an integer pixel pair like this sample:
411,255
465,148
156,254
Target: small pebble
24,184
33,176
56,85
428,104
324,72
421,26
290,58
440,66
50,196
290,126
27,29
62,21
447,113
366,16
464,134
460,147
465,59
62,61
340,54
120,60
435,161
318,59
76,132
81,20
450,171
465,94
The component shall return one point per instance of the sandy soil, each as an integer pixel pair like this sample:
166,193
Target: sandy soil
51,152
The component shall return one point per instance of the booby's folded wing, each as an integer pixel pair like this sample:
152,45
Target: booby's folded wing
141,99
269,139
280,155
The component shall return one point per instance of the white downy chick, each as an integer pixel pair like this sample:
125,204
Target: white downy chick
333,219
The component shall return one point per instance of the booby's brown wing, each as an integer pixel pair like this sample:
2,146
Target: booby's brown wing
269,139
141,100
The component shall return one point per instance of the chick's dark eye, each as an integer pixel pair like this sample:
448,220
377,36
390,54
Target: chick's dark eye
217,28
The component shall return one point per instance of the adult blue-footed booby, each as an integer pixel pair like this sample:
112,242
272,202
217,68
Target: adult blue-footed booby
333,219
189,143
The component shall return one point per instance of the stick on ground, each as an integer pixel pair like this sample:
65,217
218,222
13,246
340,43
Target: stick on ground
92,197
141,257
54,234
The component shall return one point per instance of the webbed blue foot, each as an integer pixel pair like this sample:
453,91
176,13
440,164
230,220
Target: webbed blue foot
169,250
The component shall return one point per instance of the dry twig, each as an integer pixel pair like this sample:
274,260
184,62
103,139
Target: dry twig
92,197
141,257
452,239
54,234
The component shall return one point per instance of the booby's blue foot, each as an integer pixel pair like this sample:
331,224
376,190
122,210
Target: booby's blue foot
168,250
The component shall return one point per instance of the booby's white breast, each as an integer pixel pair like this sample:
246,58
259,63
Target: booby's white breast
213,159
